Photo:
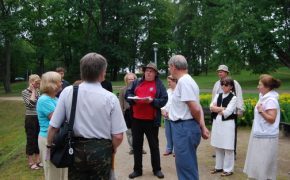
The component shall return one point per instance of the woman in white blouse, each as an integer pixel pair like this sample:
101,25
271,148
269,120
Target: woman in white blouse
223,109
261,159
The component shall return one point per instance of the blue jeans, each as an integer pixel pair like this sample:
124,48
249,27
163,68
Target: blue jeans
168,134
186,138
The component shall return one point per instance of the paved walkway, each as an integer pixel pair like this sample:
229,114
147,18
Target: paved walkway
16,98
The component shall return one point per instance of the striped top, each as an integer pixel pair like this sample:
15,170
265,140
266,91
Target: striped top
30,106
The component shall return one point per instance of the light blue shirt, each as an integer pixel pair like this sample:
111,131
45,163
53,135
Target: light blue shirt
45,106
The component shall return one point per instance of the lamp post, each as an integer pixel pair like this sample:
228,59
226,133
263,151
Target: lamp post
155,49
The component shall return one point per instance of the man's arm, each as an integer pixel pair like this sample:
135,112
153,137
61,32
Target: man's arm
240,101
214,90
122,99
50,134
204,130
194,110
197,113
116,141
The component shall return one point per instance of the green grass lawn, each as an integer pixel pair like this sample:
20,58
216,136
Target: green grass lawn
13,162
247,80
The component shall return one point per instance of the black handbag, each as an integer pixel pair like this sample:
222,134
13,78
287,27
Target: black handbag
62,150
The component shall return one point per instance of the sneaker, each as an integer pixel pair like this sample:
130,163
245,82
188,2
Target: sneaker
227,174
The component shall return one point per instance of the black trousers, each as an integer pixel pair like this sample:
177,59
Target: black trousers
139,128
32,131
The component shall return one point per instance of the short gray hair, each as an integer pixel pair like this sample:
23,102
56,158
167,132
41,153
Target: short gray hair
179,62
91,66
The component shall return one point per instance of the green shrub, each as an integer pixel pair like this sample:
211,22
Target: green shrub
250,103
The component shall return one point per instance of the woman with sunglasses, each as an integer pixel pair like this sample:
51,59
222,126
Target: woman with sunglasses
223,108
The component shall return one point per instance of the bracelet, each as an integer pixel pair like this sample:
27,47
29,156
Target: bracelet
48,146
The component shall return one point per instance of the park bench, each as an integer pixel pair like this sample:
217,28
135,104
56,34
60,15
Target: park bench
207,116
285,128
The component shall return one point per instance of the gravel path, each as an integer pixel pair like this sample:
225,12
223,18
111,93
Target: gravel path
16,98
124,161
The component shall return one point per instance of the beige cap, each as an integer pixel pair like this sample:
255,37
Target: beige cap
223,68
150,65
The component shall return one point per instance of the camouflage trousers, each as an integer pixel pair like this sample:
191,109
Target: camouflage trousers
93,159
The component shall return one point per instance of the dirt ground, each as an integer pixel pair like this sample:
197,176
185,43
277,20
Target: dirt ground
124,161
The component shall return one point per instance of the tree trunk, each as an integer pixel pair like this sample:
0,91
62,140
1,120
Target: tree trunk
114,73
283,56
40,60
7,65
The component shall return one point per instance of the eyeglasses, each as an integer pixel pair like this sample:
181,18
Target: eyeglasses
224,84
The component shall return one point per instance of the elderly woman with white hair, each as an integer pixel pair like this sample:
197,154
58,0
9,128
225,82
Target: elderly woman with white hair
50,85
30,96
128,79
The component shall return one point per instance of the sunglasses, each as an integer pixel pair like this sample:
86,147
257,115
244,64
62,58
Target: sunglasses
224,84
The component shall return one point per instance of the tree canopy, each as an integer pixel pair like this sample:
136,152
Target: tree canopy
36,36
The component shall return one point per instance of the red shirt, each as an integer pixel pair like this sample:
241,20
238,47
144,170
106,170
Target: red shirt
143,110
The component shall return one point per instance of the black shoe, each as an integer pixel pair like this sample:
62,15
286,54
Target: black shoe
131,152
159,174
134,174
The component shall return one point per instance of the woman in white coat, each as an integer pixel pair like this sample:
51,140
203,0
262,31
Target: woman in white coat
223,109
261,159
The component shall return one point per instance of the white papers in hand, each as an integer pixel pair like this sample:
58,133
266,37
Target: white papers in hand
138,98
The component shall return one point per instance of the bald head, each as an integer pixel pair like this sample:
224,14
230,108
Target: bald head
179,62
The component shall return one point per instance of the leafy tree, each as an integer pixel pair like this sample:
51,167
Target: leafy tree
194,29
252,34
22,59
159,26
9,28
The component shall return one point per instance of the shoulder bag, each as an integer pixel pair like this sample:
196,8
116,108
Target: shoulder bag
62,150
